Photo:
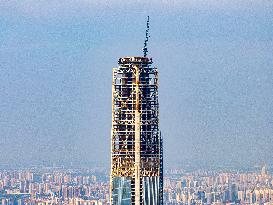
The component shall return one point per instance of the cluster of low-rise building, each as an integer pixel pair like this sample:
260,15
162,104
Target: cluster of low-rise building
53,186
91,187
203,187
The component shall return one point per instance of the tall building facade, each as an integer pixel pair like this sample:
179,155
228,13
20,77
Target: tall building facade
136,148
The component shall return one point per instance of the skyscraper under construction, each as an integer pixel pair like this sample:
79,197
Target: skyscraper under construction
136,148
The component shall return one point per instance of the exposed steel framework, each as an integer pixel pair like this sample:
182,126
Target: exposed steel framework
136,148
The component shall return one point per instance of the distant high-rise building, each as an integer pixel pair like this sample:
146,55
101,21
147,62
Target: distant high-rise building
136,148
264,171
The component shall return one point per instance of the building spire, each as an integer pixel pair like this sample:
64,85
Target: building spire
145,49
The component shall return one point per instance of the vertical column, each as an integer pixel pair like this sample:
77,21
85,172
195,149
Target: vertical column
137,139
112,131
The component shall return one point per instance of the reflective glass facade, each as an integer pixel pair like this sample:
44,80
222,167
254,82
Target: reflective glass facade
121,191
151,190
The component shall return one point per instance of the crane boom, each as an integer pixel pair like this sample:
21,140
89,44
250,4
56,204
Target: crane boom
145,49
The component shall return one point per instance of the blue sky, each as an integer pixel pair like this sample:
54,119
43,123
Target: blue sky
215,62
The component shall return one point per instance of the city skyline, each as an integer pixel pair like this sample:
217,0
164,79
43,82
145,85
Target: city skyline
90,186
55,81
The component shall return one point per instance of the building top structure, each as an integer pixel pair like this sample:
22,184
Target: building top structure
135,60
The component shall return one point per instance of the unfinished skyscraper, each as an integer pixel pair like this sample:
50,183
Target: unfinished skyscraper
136,148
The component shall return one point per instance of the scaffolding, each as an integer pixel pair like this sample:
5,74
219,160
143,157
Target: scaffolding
136,148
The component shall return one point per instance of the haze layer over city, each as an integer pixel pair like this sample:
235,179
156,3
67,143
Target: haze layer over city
215,79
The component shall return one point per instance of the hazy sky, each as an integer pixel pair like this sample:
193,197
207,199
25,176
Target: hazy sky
216,78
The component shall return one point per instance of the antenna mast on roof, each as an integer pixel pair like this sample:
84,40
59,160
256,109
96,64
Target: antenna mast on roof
145,49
